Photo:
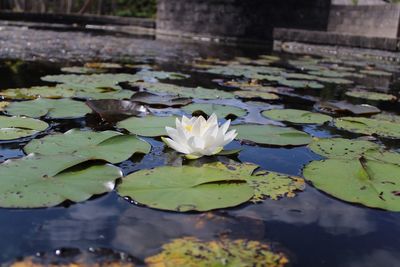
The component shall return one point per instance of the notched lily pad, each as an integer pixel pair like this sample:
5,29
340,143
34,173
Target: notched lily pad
185,188
369,126
221,111
371,95
296,116
18,127
157,100
43,181
52,108
271,135
192,252
151,126
368,182
110,146
340,107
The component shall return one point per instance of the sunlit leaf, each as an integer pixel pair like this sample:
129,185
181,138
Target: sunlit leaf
296,116
147,126
17,127
371,95
369,126
164,100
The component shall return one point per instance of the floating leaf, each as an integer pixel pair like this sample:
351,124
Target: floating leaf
81,70
52,108
364,181
59,91
182,91
221,111
17,127
44,181
191,252
102,65
369,126
296,116
185,188
371,95
300,84
164,100
271,135
100,94
148,126
255,94
341,148
116,110
110,146
387,117
3,105
344,107
376,72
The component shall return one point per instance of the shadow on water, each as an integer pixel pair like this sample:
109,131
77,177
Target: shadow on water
314,229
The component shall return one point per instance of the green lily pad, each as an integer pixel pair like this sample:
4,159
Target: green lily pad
81,70
364,181
147,126
266,184
221,111
371,95
163,100
185,188
100,94
344,107
299,83
255,94
43,181
369,126
110,146
59,91
182,91
387,117
18,127
376,72
296,116
341,148
192,252
52,108
271,135
102,65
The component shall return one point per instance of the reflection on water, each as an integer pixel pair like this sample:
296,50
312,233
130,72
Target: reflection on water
313,228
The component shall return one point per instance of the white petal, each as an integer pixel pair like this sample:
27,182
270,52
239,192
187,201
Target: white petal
176,146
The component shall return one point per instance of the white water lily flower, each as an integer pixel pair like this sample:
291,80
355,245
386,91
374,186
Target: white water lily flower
197,137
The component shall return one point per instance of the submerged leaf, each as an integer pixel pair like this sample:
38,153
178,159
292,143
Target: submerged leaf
110,146
191,252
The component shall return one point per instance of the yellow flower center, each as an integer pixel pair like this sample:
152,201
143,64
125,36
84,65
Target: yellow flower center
189,128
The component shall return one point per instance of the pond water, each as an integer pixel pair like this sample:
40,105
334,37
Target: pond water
311,229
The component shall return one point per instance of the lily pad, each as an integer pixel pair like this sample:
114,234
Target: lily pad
171,89
376,72
369,126
110,146
102,65
44,181
296,116
116,110
387,117
18,127
342,148
221,111
272,135
52,108
339,107
255,94
192,252
371,95
164,100
364,181
148,126
81,70
59,91
185,188
100,94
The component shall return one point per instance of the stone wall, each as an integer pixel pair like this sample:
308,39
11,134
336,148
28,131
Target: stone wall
375,20
239,19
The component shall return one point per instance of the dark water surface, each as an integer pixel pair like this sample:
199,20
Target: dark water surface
313,229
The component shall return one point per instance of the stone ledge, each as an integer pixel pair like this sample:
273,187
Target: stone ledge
336,39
